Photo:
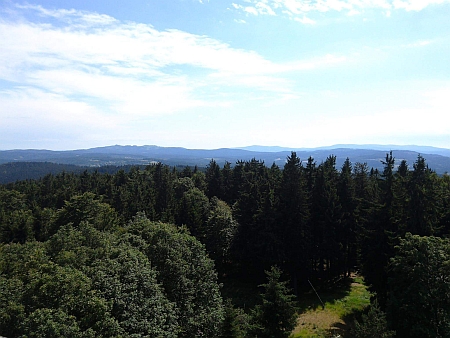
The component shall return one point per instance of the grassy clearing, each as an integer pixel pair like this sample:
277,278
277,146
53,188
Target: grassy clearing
346,299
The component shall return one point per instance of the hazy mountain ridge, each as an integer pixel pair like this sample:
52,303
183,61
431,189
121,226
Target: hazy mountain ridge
388,147
437,159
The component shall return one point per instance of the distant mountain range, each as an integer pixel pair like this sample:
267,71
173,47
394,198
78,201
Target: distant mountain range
438,159
386,148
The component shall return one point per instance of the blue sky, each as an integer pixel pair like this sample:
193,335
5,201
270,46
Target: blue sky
218,73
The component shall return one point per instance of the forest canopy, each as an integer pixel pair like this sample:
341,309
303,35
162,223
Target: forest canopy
150,251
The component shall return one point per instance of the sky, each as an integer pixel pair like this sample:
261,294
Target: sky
202,74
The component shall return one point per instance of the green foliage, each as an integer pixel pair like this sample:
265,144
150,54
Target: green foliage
193,210
86,208
378,235
220,230
314,221
373,324
419,302
127,281
236,323
186,274
16,220
276,316
12,311
214,180
424,207
256,244
347,228
293,219
17,227
49,299
326,216
52,323
87,282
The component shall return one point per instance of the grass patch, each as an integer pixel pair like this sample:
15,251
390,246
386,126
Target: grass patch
357,299
348,297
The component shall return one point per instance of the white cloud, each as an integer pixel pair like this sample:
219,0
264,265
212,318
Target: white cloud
112,52
305,20
251,10
416,5
298,8
75,15
258,7
85,75
264,8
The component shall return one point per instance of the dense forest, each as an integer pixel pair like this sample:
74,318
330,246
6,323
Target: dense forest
152,252
21,171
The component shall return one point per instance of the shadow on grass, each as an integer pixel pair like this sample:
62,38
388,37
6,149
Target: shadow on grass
345,330
346,298
329,293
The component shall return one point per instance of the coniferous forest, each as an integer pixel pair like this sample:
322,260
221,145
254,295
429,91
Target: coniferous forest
162,251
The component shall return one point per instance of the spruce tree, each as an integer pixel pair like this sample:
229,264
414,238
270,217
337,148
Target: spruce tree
373,324
293,219
276,316
347,233
378,245
425,200
326,218
214,180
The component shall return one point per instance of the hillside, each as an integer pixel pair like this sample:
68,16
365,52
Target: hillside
438,159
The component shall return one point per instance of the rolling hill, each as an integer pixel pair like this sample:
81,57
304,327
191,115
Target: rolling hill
437,159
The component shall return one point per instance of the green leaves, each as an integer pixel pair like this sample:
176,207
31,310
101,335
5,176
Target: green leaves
419,302
86,208
187,276
152,281
45,299
220,230
12,310
373,324
127,282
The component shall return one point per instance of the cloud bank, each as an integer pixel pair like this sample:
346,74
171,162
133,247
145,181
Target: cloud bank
89,57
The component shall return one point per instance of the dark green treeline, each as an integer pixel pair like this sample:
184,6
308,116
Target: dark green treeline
313,220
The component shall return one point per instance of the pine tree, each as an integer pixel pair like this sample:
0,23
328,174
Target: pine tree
293,219
254,235
326,218
373,324
276,316
227,180
214,180
378,245
425,200
347,233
